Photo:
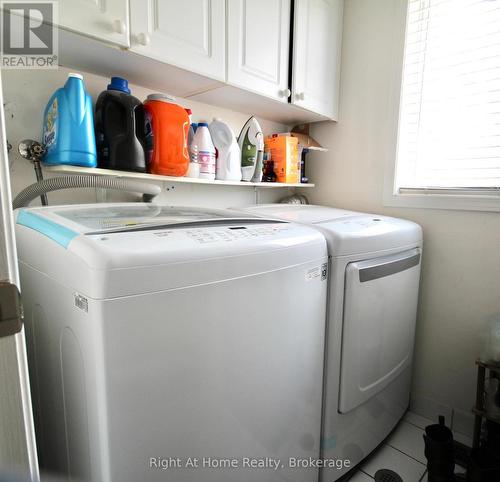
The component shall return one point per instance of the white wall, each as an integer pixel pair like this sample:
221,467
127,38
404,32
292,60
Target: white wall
26,94
460,287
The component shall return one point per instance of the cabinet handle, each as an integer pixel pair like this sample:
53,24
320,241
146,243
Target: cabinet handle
143,38
285,93
119,26
300,96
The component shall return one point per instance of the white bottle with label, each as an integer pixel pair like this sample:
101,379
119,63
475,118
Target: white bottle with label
206,151
194,167
228,151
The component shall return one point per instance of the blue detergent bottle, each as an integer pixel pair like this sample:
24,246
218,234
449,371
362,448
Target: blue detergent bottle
68,126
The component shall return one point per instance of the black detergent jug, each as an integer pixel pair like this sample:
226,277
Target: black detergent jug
119,128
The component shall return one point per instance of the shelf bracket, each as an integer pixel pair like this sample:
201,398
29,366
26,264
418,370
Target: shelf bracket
256,194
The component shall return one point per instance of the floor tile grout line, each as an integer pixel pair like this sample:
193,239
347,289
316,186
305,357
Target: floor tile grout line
404,453
423,430
409,414
415,425
366,473
423,475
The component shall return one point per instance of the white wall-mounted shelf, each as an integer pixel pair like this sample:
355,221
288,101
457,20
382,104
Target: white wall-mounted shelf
95,171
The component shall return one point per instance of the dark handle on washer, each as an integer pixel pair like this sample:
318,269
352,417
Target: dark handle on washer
386,269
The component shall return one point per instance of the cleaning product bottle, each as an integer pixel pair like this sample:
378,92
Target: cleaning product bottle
206,151
228,163
268,174
189,112
119,128
302,156
194,166
68,126
167,126
190,136
250,141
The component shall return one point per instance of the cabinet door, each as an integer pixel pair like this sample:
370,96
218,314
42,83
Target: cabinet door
188,34
258,46
316,55
102,19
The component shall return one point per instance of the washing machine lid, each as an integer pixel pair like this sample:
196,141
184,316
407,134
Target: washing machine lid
112,218
109,250
348,232
300,213
368,233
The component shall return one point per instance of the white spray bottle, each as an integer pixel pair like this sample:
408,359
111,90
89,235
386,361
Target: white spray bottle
228,152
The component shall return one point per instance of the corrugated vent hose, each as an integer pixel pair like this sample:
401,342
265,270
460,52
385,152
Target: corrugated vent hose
149,191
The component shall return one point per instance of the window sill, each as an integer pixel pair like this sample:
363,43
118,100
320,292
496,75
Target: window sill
459,202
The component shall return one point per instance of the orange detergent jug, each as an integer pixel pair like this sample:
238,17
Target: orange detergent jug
167,127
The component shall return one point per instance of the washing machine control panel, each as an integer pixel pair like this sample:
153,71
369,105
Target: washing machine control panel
231,233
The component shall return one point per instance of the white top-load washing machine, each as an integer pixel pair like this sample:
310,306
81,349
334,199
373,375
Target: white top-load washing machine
173,343
374,281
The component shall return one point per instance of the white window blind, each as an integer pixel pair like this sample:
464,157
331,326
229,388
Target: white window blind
449,126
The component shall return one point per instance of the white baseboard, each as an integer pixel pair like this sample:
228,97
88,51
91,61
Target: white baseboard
463,422
431,409
458,420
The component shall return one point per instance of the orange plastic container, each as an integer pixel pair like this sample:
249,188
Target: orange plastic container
167,127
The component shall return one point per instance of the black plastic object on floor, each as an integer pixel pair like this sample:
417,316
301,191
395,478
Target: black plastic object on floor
462,454
492,441
484,464
439,451
119,129
386,475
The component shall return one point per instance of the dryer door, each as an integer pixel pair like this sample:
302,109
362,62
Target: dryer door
380,305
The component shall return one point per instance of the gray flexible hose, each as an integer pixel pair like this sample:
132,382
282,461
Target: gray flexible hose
27,195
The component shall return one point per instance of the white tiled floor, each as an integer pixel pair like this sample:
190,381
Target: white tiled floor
408,438
388,457
360,477
402,452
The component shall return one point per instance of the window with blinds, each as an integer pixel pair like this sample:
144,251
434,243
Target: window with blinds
449,125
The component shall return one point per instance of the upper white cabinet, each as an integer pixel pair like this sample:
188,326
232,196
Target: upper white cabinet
102,19
316,55
258,46
189,34
279,59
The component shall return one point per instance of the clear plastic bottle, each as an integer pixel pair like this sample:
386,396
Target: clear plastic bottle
490,341
191,143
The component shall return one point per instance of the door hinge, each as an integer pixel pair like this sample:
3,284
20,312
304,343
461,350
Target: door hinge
11,309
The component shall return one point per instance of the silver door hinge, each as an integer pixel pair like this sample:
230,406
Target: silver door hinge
11,309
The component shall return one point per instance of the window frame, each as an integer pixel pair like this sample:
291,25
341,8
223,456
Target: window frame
454,199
